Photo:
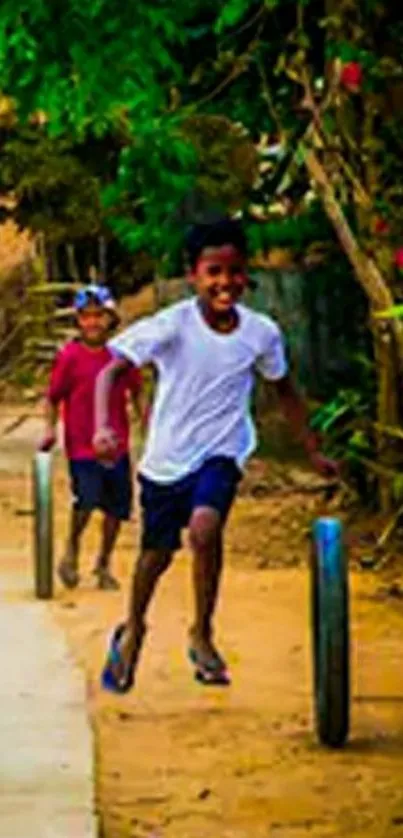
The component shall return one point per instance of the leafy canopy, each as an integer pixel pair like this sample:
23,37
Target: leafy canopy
142,70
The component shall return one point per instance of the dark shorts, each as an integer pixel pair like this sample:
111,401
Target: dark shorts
167,509
95,486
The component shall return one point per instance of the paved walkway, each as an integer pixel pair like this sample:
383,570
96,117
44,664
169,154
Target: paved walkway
46,756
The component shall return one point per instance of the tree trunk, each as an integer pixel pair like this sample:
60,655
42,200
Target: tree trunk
366,271
387,407
384,344
388,339
72,264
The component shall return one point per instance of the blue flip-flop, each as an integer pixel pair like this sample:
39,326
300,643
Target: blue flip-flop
109,680
213,672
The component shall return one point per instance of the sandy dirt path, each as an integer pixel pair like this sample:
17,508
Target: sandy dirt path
179,761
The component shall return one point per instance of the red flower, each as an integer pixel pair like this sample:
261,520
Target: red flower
399,259
381,226
351,76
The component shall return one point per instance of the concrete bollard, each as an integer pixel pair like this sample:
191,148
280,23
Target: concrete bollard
43,525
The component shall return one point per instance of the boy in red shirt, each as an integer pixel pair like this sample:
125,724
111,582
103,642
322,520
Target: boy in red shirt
94,485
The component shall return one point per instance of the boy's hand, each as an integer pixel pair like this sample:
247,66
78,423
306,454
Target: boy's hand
48,440
105,444
323,465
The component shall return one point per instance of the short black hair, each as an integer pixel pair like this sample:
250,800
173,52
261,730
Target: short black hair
218,233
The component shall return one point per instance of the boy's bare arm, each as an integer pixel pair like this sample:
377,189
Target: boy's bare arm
295,411
51,414
142,408
104,441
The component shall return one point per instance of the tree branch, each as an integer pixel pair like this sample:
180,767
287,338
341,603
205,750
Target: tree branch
246,25
366,271
269,97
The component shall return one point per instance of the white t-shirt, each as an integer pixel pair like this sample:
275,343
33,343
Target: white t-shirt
205,380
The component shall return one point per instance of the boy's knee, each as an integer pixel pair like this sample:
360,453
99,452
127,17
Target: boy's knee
204,529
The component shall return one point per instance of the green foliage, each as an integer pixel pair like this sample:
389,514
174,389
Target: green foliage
331,419
291,232
156,171
53,191
80,61
231,13
98,67
226,160
344,425
395,312
141,71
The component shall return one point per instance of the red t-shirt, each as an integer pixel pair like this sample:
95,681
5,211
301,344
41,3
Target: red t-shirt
72,382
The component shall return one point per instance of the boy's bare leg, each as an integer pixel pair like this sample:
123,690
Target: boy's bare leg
150,566
110,531
68,568
207,545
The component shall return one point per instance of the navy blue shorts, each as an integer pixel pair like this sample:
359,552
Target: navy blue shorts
96,486
167,509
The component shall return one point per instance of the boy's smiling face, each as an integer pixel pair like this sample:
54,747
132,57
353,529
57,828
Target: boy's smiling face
94,323
220,278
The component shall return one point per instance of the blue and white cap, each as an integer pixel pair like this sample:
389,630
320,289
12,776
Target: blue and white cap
98,294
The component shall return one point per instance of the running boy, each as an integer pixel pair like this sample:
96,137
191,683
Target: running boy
206,351
95,485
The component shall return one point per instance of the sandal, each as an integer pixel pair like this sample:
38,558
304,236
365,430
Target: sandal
68,574
210,671
106,582
110,679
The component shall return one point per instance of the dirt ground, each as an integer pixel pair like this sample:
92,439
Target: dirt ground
175,760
